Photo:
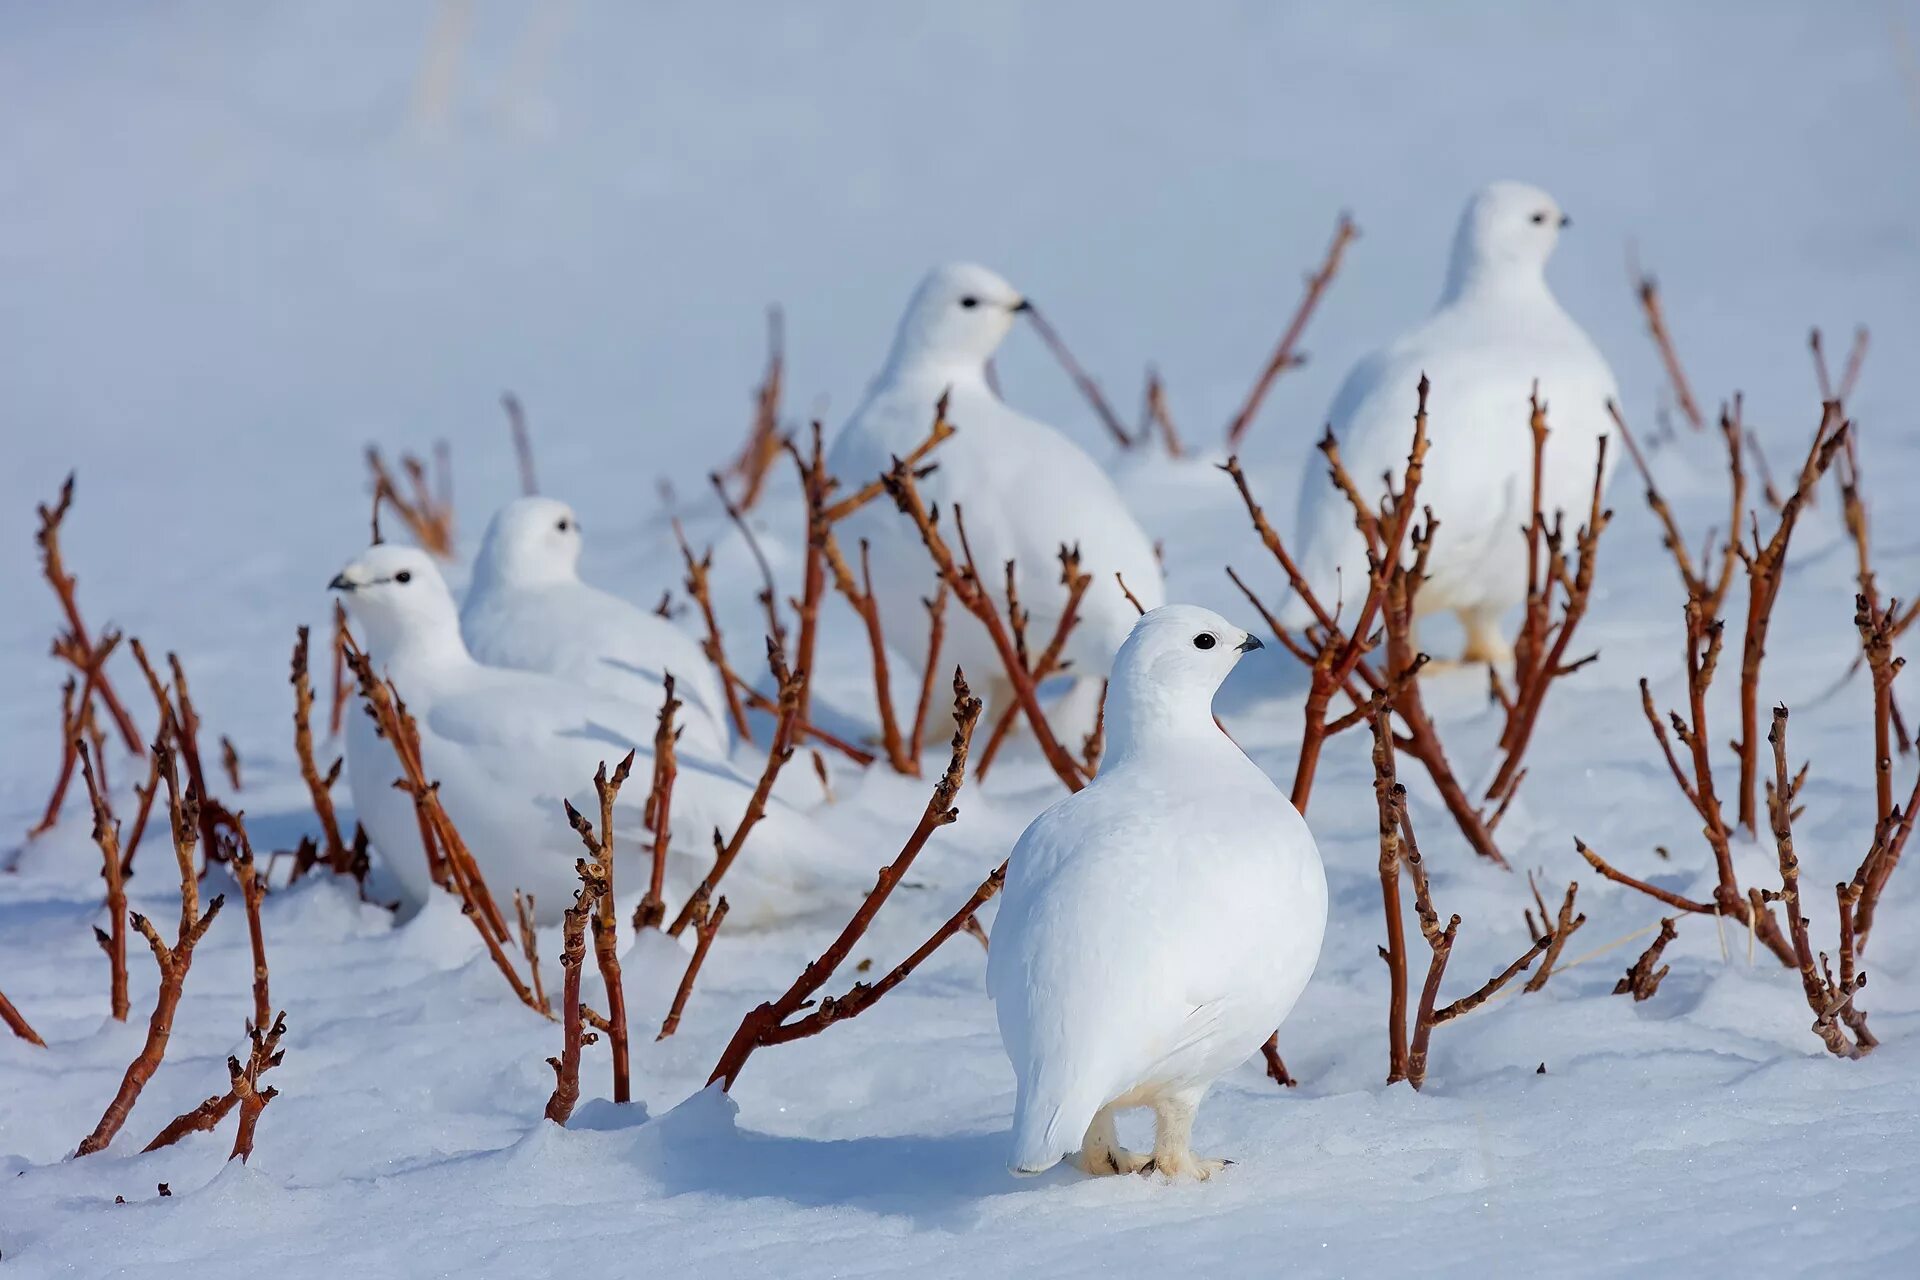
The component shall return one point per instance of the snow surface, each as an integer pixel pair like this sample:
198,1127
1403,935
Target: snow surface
234,252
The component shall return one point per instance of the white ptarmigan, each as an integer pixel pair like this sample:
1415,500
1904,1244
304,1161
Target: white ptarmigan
1496,331
1158,925
507,746
1025,489
527,608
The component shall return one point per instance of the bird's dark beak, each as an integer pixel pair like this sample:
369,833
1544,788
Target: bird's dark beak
340,583
1565,221
1023,305
1251,643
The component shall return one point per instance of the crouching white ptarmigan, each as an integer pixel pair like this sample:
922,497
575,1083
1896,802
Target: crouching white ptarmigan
506,747
1158,925
1496,332
1025,490
527,608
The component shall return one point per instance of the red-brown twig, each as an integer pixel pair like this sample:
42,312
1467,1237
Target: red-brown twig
1051,659
1831,1000
606,924
1336,657
936,633
1764,565
703,930
54,568
1649,292
524,906
700,589
1081,379
337,708
448,858
937,435
426,507
522,442
756,457
573,955
186,732
967,588
113,941
1154,414
253,888
767,1022
652,911
1540,653
1407,1057
816,484
1642,980
860,596
319,786
1711,591
263,1054
791,685
768,595
174,961
1284,356
18,1024
76,714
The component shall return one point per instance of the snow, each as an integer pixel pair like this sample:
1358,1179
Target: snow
235,252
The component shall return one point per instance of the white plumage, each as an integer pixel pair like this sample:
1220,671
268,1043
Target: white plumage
1156,926
507,746
1025,488
527,608
1496,331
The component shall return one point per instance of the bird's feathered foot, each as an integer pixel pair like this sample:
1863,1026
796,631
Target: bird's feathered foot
1101,1153
1486,643
1173,1157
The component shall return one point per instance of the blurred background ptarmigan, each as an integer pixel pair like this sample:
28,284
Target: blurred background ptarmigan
507,746
527,607
1026,489
1496,332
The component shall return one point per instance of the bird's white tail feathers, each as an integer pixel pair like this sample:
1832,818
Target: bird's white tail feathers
1047,1126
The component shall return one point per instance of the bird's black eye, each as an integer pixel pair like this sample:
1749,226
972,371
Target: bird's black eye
969,302
564,524
1539,218
1204,640
404,576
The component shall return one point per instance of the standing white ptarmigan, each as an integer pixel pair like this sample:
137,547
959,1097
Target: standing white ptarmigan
1496,331
506,747
527,608
1157,926
1025,490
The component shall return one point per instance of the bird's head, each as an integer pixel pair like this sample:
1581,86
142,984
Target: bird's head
398,599
1167,671
959,315
1507,226
529,542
